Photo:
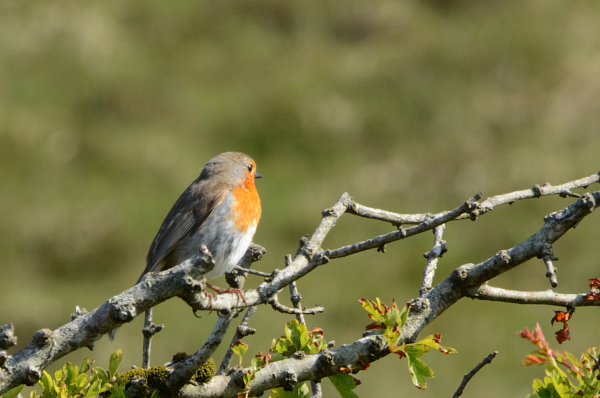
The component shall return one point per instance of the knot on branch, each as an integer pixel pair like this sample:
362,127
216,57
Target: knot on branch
79,311
243,331
473,207
589,201
503,257
121,311
325,361
193,285
150,330
420,304
461,273
32,375
203,260
289,379
537,190
7,336
321,257
41,338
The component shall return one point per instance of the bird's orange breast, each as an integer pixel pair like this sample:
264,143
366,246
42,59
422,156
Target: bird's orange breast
246,206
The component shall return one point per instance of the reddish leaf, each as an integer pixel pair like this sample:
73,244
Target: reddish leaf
592,296
345,369
360,365
536,337
398,351
317,331
357,382
595,283
374,325
561,316
563,334
533,360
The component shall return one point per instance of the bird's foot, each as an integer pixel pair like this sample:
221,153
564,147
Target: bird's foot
219,290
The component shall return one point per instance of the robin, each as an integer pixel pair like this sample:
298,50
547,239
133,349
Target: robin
220,209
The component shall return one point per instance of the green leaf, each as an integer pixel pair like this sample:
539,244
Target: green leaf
114,362
301,390
344,384
46,381
544,389
296,332
284,346
415,350
418,371
562,386
13,392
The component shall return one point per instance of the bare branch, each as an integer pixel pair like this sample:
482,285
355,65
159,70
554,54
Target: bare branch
241,331
277,306
546,297
488,359
25,367
432,256
183,371
548,257
537,191
426,225
486,205
469,276
290,371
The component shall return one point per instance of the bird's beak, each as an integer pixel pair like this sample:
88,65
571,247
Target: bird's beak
257,175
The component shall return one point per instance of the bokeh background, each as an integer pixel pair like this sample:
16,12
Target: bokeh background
108,110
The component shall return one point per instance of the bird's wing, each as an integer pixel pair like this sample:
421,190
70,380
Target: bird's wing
187,214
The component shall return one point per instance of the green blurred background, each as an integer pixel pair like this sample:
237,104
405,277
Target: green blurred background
108,110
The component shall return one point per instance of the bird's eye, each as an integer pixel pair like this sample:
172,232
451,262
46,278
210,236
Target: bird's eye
250,167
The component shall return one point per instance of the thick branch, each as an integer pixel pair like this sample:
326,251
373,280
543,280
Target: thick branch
293,370
25,367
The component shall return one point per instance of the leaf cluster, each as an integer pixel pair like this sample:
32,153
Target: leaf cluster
390,321
580,378
88,380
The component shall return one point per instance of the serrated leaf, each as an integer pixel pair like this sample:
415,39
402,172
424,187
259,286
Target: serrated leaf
416,349
344,384
114,362
94,389
419,371
46,381
544,389
58,375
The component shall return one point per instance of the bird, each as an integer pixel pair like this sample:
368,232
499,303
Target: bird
220,209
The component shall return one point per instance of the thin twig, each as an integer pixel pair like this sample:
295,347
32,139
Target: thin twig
467,207
548,258
277,306
489,358
432,256
241,331
186,369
